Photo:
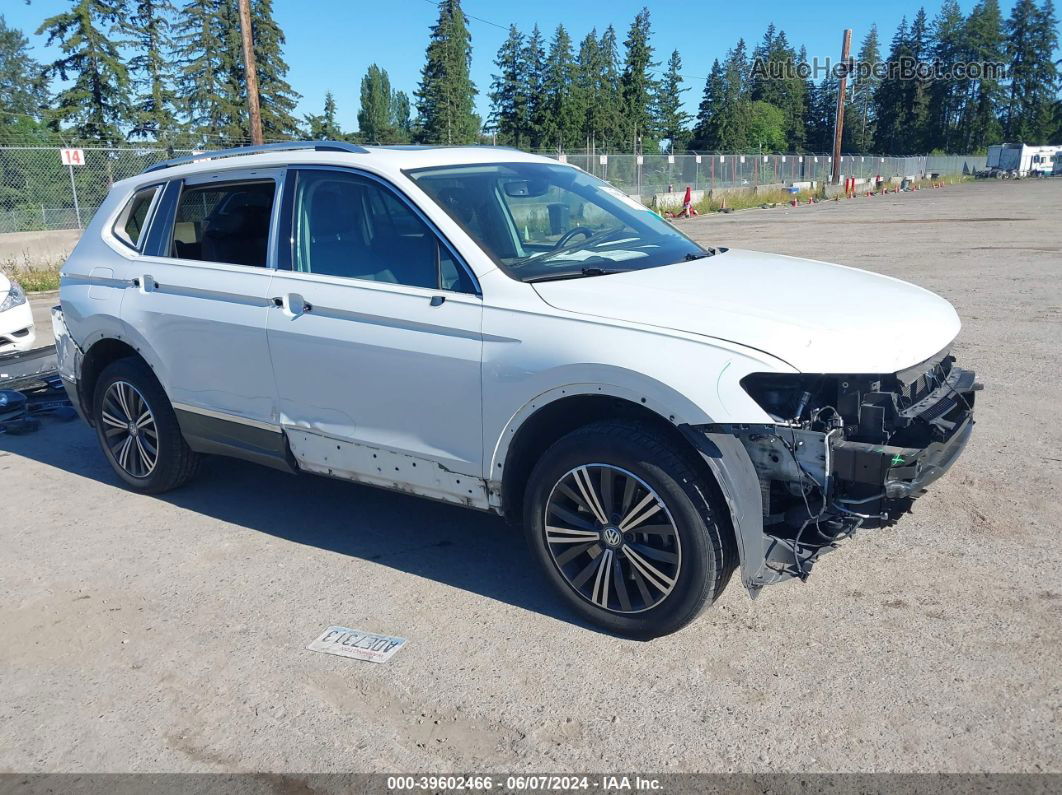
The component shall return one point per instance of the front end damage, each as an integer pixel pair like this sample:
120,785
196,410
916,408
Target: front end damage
844,452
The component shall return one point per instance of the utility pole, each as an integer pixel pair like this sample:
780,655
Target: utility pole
838,124
253,107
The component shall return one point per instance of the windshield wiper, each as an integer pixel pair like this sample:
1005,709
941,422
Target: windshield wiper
600,237
555,277
708,252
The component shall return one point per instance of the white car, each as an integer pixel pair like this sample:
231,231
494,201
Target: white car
498,330
16,318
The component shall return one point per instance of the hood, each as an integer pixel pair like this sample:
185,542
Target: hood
817,317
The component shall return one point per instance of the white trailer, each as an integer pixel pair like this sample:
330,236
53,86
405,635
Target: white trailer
1022,160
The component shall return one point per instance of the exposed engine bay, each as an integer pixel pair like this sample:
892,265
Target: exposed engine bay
849,451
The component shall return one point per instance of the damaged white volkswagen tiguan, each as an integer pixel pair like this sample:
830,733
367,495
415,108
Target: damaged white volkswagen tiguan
508,333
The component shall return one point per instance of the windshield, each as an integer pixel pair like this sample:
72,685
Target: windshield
542,221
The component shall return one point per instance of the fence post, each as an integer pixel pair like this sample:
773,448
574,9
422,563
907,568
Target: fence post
73,189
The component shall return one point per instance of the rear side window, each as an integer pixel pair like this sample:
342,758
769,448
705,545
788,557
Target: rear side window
224,223
129,228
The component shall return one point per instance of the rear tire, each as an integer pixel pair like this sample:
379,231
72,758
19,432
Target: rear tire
138,431
636,571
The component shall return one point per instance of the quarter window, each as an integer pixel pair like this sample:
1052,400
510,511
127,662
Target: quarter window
224,223
351,226
130,224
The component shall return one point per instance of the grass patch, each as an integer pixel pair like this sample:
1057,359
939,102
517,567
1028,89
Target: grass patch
34,277
746,200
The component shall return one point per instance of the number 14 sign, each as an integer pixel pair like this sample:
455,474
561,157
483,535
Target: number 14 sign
72,157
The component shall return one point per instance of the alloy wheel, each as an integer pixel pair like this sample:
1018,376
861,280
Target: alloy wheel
129,429
612,538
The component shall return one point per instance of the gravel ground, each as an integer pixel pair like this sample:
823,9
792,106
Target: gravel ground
168,634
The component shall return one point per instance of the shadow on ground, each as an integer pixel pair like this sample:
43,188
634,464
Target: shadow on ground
462,548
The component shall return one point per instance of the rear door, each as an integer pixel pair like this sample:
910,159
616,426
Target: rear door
201,296
376,339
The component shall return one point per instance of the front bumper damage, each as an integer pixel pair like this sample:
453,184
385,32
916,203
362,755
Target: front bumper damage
856,455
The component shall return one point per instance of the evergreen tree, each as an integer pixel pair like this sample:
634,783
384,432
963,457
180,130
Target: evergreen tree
154,107
202,63
945,96
534,81
979,124
95,103
374,116
637,86
822,115
276,97
776,80
916,89
446,94
890,100
707,132
234,126
671,119
508,116
562,120
324,127
22,91
610,109
1032,36
588,67
864,86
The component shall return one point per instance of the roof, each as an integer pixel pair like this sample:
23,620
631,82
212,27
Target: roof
385,159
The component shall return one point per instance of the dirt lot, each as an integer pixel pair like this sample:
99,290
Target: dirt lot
149,634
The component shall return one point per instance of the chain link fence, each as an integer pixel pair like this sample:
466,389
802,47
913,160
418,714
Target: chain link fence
39,192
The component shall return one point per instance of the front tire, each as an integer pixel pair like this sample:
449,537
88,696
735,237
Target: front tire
626,530
138,431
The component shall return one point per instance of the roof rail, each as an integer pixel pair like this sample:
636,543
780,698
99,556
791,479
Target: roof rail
317,146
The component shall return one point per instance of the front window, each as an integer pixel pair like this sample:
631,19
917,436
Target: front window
541,221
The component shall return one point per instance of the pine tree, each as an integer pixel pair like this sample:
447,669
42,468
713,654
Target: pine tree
979,124
374,116
324,127
864,86
154,107
587,83
234,126
508,116
446,93
776,80
276,97
916,90
945,96
534,80
200,63
561,127
637,86
1032,36
610,108
890,108
22,91
96,101
705,132
671,119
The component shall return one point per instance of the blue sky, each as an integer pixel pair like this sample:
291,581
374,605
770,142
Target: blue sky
332,42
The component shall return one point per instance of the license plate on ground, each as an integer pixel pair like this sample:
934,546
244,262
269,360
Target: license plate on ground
357,644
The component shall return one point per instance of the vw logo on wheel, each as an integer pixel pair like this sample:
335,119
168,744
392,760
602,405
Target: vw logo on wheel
612,536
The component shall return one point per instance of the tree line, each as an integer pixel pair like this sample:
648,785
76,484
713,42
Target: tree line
551,96
171,72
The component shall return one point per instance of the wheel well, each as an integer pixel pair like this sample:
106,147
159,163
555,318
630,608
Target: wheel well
96,359
561,417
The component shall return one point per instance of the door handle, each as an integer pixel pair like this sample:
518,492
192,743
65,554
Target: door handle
292,304
437,300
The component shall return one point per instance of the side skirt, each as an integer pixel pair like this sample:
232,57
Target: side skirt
216,436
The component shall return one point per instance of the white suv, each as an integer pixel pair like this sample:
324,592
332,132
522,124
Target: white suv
505,332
